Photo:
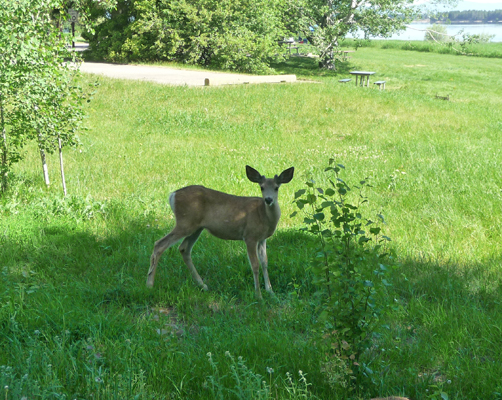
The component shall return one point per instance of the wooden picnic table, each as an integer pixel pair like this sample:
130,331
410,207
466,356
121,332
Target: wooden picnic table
361,75
291,45
345,53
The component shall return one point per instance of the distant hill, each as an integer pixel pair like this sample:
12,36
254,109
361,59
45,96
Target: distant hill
471,16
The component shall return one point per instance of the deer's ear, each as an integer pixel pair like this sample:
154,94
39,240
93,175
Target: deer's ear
285,176
253,175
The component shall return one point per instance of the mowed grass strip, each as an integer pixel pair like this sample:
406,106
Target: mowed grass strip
74,271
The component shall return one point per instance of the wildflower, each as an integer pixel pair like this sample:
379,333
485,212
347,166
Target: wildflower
37,332
98,379
270,370
448,381
227,353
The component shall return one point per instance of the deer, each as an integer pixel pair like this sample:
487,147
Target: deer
228,217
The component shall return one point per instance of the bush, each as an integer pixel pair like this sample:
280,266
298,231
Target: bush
233,35
351,266
437,33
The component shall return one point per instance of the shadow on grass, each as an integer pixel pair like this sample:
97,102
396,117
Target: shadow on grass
96,288
309,67
111,267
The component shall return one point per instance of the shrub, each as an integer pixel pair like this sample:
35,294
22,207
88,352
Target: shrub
437,33
235,35
351,266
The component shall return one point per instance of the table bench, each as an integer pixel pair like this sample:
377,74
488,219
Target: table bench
381,84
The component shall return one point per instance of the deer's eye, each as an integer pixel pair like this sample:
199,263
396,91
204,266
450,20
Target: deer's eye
261,187
276,189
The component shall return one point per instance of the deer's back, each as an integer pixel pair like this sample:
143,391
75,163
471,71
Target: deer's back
224,215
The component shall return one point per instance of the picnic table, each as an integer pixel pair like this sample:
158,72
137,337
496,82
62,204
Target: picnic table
291,44
345,54
361,75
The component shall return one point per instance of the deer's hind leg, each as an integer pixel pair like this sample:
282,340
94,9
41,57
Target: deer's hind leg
162,245
186,252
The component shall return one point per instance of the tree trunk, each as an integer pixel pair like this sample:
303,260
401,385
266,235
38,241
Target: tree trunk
61,166
4,168
44,162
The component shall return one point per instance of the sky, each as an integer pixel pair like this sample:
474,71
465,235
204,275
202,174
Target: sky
485,5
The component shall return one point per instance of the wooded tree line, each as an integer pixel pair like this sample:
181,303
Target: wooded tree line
472,16
243,35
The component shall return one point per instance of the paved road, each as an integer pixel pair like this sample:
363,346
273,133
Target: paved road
176,76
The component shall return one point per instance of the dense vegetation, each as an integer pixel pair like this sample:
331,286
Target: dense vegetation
76,320
471,16
239,35
487,50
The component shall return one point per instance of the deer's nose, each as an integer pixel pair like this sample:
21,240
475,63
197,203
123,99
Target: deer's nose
269,200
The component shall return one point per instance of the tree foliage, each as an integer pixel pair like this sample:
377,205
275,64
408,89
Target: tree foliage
471,16
325,22
231,34
38,98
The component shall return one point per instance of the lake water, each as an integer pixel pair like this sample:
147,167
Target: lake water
417,31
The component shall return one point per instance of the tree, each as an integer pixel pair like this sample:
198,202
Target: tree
325,22
231,34
38,98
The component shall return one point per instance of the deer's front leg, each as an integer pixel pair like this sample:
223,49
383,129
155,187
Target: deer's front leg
252,247
262,255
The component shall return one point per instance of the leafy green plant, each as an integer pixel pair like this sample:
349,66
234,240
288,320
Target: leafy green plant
243,383
351,266
234,35
437,33
39,99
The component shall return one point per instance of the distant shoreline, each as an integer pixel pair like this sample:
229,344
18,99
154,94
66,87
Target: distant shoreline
428,21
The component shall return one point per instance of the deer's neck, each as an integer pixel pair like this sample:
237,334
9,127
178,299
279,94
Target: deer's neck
273,215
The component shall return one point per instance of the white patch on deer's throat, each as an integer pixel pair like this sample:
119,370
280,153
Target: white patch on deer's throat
171,200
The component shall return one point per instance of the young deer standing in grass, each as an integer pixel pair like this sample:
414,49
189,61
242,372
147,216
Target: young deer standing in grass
228,217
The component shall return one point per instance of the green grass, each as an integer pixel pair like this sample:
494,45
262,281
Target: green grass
76,320
491,50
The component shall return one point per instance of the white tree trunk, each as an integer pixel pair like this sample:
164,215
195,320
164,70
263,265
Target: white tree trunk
44,162
61,166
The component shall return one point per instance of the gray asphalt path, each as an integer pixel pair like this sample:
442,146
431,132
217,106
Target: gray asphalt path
176,76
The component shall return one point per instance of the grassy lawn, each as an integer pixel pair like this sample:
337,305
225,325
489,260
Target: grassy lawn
77,322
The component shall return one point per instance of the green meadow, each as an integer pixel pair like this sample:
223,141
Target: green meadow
76,318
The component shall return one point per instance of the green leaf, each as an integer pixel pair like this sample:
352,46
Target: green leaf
299,193
311,198
375,231
319,216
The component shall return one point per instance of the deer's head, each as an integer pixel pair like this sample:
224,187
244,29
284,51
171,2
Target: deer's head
269,186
